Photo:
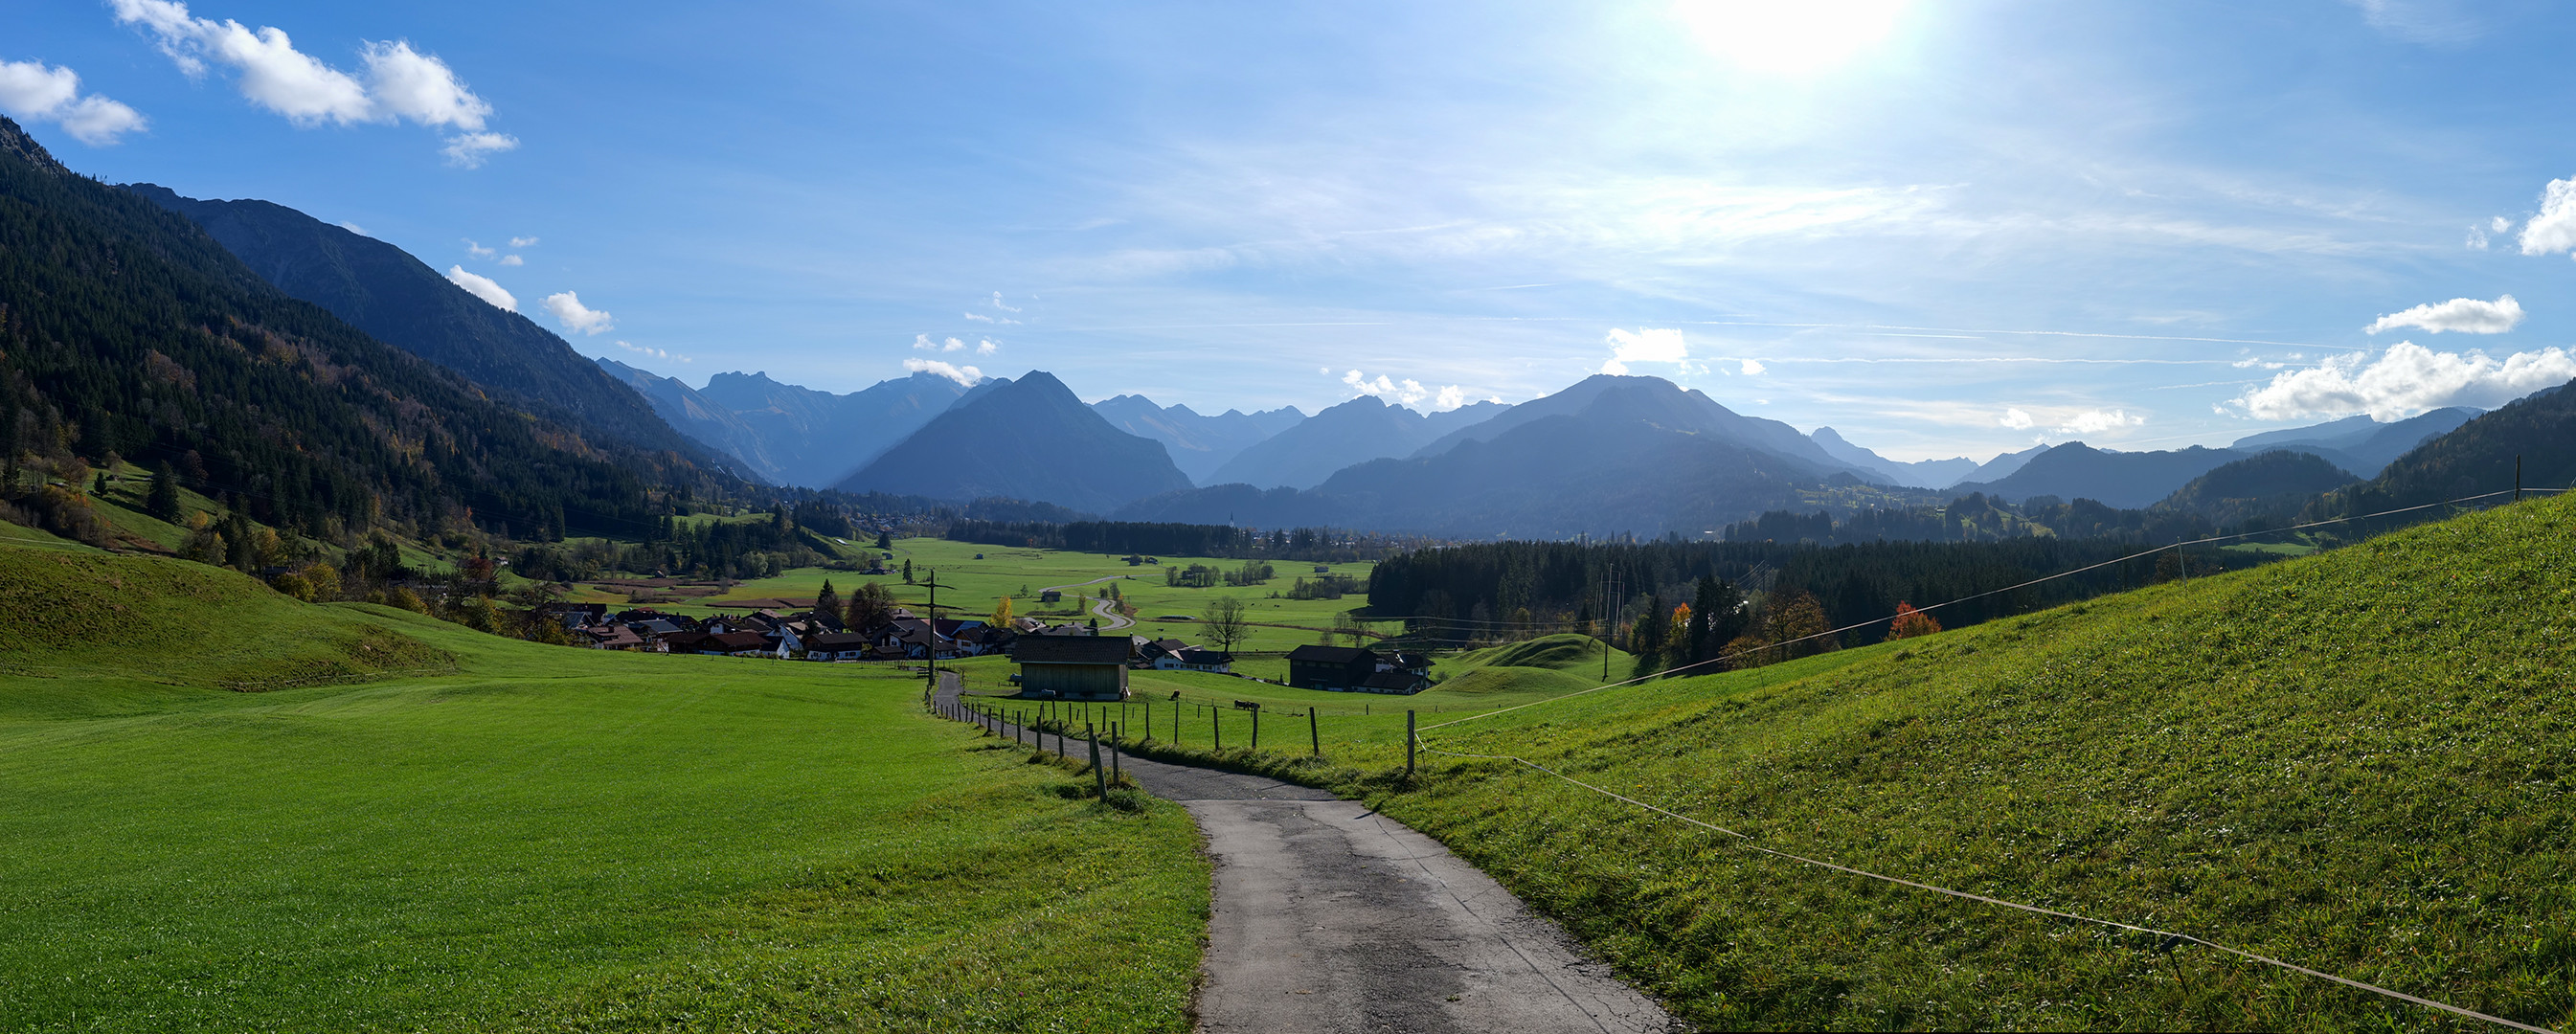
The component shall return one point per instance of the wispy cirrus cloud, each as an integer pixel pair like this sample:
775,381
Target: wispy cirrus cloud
32,92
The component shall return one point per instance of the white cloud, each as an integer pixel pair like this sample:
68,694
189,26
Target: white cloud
568,309
2477,238
513,260
2554,229
655,352
32,92
2418,21
1450,397
2500,224
966,375
2403,381
1752,367
470,150
2018,420
979,317
986,347
411,85
997,303
523,242
477,250
482,287
1406,392
2093,421
2465,315
400,84
356,229
1644,346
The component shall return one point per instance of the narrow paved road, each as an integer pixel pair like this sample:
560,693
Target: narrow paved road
1100,608
1331,917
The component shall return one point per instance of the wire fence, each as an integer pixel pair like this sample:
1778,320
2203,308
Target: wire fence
2172,937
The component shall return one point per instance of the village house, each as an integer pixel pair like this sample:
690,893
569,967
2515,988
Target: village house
1353,669
1072,667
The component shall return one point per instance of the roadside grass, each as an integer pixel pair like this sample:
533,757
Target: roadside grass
2358,762
537,838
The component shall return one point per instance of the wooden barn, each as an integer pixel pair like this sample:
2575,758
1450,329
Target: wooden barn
1072,667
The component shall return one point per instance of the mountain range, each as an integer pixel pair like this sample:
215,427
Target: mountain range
1608,453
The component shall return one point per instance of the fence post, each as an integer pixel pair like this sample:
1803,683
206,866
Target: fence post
1149,721
1314,733
1114,731
1216,729
1256,728
1099,775
1408,743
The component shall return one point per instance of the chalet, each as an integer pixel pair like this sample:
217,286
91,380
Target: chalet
1395,682
1072,667
578,615
608,637
1196,658
1051,596
838,646
1340,668
722,644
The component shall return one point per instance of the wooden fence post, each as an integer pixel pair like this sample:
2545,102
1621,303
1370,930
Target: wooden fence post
1408,743
1314,733
1099,775
1256,728
1114,731
1216,728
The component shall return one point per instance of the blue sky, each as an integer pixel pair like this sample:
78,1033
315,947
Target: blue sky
1940,227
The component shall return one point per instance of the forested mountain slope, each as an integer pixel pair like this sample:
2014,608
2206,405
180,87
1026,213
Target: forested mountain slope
1026,439
2537,431
395,298
125,329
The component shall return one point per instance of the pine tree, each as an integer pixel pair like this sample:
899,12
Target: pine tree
162,502
829,600
907,572
885,540
1648,638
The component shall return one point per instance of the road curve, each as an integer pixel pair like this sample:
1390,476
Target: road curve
1331,917
1100,608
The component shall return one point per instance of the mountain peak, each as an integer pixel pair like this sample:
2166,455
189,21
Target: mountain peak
14,140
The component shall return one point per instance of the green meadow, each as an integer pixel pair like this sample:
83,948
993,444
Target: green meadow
430,828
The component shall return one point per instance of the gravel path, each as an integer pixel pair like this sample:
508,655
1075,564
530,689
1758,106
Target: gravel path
1331,917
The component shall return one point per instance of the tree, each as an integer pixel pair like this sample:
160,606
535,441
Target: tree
870,607
1002,612
907,571
828,600
1910,623
885,540
1647,641
1796,623
162,502
324,578
1225,622
98,486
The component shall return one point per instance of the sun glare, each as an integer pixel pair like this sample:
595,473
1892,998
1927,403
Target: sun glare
1788,37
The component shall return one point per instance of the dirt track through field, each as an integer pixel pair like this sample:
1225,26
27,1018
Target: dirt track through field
1331,917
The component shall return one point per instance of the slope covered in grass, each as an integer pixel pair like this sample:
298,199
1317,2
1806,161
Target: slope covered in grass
546,839
1545,665
78,620
2363,762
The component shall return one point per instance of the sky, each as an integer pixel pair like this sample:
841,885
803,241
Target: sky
1942,227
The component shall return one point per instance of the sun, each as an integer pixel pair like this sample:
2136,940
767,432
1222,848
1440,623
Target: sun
1788,37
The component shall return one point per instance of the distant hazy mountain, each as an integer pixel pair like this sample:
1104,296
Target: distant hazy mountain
1198,444
397,299
2001,466
2128,480
1636,458
1658,400
1029,439
712,425
1921,474
818,438
1362,429
2271,486
2537,431
2360,444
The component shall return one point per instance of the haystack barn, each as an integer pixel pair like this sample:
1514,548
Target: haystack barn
1072,667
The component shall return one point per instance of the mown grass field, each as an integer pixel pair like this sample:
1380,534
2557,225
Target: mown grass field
1281,624
519,837
2362,762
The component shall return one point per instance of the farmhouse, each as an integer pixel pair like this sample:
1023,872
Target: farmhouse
1072,667
1349,669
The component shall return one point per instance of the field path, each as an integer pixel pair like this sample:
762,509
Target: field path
1100,608
1331,917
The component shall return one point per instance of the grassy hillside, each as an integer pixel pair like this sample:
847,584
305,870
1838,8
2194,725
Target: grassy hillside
1545,666
2357,761
536,838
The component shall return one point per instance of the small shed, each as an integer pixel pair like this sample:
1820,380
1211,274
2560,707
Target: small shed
1072,667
